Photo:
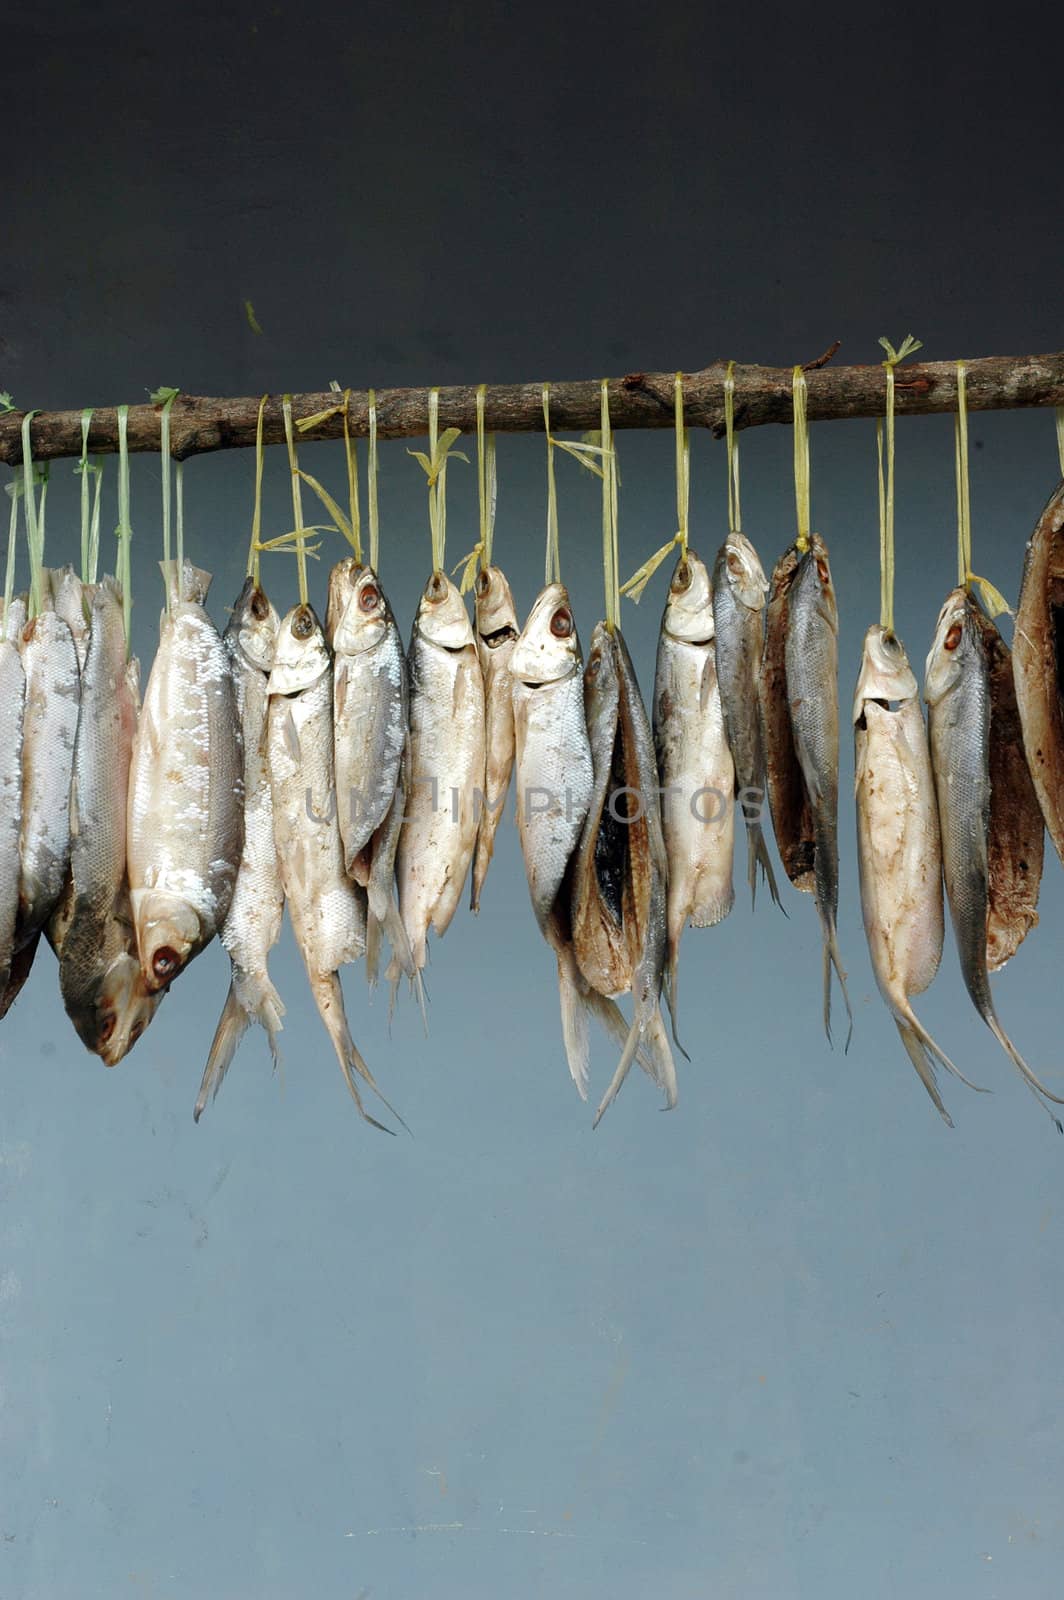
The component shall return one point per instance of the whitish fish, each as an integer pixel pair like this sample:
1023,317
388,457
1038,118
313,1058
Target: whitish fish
327,910
899,850
792,817
1038,664
496,630
812,658
186,812
739,586
91,929
620,870
447,764
12,703
73,602
254,921
694,763
957,691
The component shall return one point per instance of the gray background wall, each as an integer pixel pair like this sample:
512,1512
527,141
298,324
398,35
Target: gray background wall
795,1339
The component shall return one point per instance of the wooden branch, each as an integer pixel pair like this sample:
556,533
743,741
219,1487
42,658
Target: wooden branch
641,400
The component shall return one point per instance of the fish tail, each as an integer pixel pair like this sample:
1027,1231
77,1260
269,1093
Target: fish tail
758,856
614,1021
832,958
624,1064
921,1059
262,1004
373,948
904,1013
670,989
1031,1079
664,1067
232,1025
481,862
656,1058
574,1010
330,1002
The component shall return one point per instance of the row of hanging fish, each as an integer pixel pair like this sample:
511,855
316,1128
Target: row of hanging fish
326,768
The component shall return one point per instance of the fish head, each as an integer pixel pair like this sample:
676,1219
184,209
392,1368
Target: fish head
254,626
301,655
120,1008
494,606
360,610
168,936
689,608
601,680
885,676
341,579
813,586
954,647
738,563
547,648
442,617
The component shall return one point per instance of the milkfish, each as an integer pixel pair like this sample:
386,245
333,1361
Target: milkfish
446,764
1038,664
620,871
956,688
186,813
370,706
496,635
899,849
694,764
739,586
91,929
812,660
327,910
792,817
253,923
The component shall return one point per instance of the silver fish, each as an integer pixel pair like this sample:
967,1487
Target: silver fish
812,658
186,814
956,689
620,870
899,849
694,763
12,703
739,587
73,602
91,929
496,630
447,764
327,910
253,923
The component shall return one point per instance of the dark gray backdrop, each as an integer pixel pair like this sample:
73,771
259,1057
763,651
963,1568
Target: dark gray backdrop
795,1339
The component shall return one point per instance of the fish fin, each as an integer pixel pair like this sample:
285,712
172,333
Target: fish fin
232,1025
373,949
1031,1079
290,734
574,1023
664,1071
647,1030
386,917
922,1061
758,856
833,959
623,1067
670,989
903,1013
330,1001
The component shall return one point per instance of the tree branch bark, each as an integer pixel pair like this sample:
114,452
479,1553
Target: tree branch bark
199,424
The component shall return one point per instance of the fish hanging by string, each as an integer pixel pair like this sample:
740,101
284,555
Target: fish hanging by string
1038,664
496,635
91,929
370,707
186,812
694,764
899,849
739,587
812,662
792,816
446,764
620,870
73,602
253,922
957,691
1015,831
12,706
328,911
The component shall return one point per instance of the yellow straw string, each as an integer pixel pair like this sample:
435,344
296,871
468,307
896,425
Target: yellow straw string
12,532
553,572
434,466
886,494
83,468
609,513
371,487
635,586
256,514
164,453
735,520
993,599
801,460
486,492
297,500
179,519
351,454
124,530
886,589
34,524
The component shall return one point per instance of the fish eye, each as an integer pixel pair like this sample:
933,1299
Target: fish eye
822,570
561,624
369,597
436,587
735,564
483,584
303,623
260,606
107,1027
682,577
953,637
594,662
164,962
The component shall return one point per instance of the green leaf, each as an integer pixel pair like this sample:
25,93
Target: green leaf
159,397
253,321
6,402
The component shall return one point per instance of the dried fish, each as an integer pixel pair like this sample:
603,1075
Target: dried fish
12,703
496,633
1038,664
792,816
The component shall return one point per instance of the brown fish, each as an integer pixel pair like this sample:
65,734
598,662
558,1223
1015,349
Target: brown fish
1038,664
792,815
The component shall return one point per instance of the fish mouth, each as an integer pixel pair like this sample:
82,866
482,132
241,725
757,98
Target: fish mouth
499,636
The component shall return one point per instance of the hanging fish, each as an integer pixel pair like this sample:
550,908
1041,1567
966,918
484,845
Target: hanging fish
370,706
186,814
1038,664
253,923
739,586
694,763
12,704
91,929
327,910
1015,832
496,633
957,691
73,602
447,764
899,850
620,871
812,660
792,817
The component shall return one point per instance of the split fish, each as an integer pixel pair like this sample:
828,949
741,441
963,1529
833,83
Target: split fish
792,817
1038,664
